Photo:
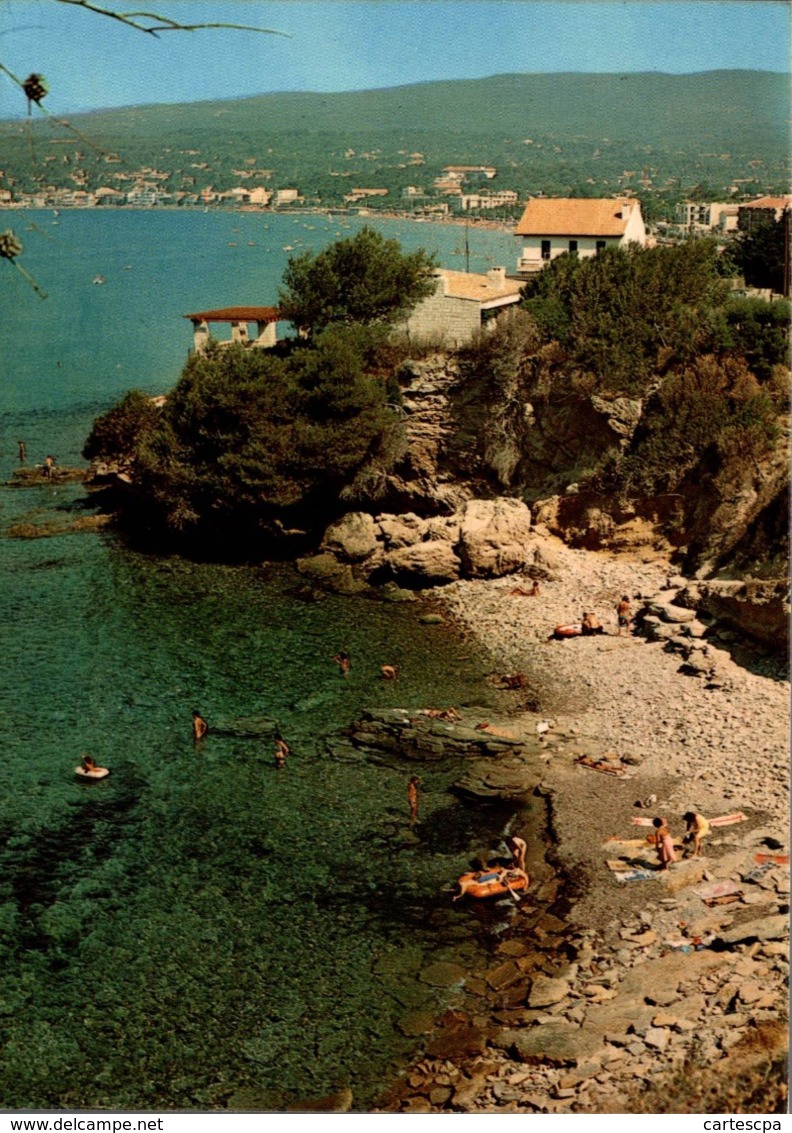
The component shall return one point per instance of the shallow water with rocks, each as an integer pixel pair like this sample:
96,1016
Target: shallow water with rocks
204,931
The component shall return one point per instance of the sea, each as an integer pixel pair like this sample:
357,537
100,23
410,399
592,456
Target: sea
201,931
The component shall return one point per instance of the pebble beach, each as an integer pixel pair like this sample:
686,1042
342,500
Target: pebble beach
640,995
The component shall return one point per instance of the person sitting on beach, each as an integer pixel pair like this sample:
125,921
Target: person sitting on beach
518,848
389,672
590,625
199,726
697,828
344,662
623,615
281,751
664,843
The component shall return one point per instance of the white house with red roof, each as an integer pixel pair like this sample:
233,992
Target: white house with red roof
551,226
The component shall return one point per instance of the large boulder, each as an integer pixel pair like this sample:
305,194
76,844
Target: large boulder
401,530
352,538
494,537
428,564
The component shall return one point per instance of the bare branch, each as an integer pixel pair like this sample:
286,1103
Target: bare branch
156,23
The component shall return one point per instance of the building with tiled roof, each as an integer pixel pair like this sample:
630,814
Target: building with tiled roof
552,226
462,303
761,211
265,319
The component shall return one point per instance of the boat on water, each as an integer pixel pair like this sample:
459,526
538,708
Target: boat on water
492,882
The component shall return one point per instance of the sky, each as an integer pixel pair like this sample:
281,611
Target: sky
91,61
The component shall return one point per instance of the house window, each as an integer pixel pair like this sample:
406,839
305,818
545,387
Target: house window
573,247
600,245
545,249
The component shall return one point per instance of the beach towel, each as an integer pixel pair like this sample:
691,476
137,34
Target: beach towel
600,765
773,859
631,873
714,890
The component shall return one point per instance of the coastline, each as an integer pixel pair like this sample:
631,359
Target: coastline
623,997
318,210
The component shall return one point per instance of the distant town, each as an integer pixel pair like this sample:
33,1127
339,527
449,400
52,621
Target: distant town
458,191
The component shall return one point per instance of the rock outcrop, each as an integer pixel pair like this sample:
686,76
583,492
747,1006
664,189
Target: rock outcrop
483,539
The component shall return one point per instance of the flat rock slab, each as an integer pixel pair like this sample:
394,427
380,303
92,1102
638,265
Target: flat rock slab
501,779
560,1044
443,974
681,875
459,1041
546,991
765,928
504,975
417,1023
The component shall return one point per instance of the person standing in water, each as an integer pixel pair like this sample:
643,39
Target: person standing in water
412,798
22,452
344,662
281,751
199,726
518,848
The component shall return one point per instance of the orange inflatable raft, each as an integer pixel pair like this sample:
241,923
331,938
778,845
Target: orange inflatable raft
492,882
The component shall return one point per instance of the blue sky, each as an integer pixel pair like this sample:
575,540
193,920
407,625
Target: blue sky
91,61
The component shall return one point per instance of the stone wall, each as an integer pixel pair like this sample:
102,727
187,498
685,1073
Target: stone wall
456,320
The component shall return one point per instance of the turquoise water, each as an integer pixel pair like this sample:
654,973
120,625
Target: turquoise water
198,924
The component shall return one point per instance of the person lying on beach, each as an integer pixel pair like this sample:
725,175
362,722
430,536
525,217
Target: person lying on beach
441,714
664,843
199,726
389,672
697,828
520,592
344,662
511,681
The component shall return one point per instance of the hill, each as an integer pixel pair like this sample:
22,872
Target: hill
585,133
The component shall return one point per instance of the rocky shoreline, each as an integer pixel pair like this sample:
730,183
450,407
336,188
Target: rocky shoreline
667,992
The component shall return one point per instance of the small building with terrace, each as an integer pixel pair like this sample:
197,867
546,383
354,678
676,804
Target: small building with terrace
462,304
240,319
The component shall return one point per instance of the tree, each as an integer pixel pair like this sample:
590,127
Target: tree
365,279
761,254
624,316
249,439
